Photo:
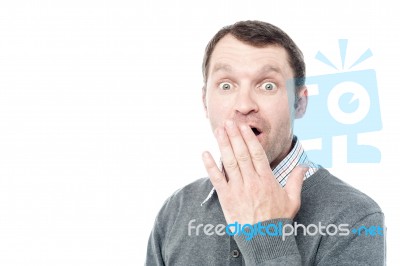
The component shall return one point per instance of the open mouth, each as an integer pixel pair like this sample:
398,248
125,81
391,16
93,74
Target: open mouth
255,131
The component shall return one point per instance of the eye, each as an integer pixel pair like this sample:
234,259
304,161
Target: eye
268,86
225,86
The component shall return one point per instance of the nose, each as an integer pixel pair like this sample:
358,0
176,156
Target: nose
246,102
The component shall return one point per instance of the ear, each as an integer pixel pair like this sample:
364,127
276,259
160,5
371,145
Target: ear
302,99
204,90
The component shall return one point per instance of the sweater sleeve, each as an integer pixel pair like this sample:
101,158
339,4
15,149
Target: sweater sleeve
364,245
270,248
154,246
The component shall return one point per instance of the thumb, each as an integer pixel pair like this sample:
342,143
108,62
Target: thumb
294,184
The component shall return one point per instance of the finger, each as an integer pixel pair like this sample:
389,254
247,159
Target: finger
227,156
294,184
258,156
217,178
240,150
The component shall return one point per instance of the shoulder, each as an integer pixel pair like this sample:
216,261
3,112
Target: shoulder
195,192
186,198
326,194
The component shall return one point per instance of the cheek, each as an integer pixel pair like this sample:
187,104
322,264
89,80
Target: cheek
291,102
218,109
279,116
215,114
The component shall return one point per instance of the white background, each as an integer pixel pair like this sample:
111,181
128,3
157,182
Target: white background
101,117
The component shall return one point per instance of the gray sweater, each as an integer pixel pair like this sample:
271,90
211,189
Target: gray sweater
326,201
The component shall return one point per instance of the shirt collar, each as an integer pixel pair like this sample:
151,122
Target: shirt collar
295,157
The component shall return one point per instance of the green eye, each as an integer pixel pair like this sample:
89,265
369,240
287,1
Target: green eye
225,86
268,86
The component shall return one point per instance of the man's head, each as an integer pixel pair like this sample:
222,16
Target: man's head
254,74
259,34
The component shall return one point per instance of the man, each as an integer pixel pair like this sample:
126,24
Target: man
267,188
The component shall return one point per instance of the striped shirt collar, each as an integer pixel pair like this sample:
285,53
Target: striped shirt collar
281,172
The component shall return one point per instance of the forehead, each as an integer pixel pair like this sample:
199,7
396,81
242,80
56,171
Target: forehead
231,54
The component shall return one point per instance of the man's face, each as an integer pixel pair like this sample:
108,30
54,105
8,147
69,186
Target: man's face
252,86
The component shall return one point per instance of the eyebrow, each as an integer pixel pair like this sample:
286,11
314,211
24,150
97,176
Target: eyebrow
227,68
269,68
221,67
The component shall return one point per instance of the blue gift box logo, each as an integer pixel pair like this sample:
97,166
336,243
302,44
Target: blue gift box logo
346,103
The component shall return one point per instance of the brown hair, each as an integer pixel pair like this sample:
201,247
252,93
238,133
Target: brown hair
259,34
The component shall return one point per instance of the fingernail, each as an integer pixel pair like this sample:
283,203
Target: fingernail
206,155
244,127
219,132
304,167
229,123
